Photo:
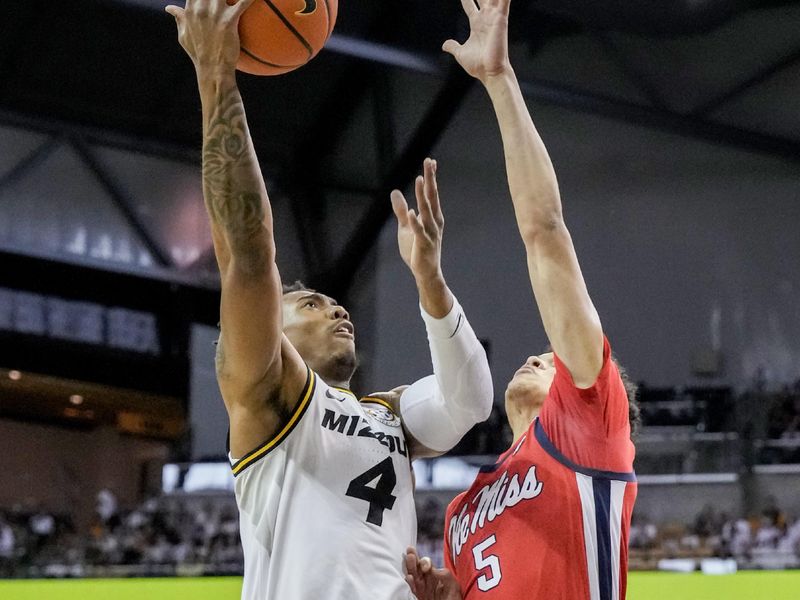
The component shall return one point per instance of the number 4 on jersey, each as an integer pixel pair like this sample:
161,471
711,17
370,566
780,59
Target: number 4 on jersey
380,497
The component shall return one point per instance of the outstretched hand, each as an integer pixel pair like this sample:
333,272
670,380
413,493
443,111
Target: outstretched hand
485,53
419,235
428,583
209,31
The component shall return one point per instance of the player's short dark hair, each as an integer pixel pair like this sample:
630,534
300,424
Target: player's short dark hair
297,286
632,391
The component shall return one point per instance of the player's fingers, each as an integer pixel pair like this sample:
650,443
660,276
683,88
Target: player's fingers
399,206
431,587
410,565
470,7
175,11
425,564
241,6
412,584
452,47
198,6
423,203
416,225
432,192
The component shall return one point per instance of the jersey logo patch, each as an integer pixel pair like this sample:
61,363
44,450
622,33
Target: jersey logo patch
382,414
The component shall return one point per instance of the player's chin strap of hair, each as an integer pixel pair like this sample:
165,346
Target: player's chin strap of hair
439,409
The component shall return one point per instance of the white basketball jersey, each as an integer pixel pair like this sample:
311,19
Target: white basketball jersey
326,506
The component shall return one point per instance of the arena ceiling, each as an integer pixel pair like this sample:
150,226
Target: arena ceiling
87,83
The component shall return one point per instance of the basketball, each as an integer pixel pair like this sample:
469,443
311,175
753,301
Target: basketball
278,36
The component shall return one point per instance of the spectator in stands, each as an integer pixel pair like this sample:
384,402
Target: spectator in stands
643,532
773,514
739,536
790,543
705,524
7,546
767,535
107,508
42,525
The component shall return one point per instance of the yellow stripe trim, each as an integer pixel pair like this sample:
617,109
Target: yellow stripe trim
345,390
378,401
286,428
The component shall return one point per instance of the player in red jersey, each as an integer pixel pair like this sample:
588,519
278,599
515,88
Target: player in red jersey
550,519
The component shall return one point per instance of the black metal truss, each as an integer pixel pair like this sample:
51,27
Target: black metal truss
117,194
583,101
441,111
337,275
100,136
630,70
756,79
29,162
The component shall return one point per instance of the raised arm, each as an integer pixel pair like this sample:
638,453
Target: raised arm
569,317
438,410
258,370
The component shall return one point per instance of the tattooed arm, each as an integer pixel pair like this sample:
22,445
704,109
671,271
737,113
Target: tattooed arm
259,372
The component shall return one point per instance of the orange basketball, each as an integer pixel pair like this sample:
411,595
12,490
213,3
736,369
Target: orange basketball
278,36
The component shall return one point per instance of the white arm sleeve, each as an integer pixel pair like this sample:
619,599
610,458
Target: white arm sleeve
439,409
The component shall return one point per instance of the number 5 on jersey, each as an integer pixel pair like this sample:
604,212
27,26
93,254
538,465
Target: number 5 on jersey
380,497
490,561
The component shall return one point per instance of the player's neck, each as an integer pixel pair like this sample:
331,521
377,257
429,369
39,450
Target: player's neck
336,373
520,419
342,384
335,380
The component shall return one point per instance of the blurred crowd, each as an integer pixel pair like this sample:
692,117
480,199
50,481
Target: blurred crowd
161,535
188,534
769,539
199,534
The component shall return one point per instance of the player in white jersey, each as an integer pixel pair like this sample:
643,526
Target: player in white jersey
323,480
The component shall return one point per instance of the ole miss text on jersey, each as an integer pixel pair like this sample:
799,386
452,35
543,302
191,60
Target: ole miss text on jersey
550,519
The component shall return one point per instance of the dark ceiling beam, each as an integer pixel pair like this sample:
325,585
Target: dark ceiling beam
29,162
741,88
718,134
308,203
16,39
117,194
383,115
572,98
444,107
689,126
383,54
302,180
637,76
100,136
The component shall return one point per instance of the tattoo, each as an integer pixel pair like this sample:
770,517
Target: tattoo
231,181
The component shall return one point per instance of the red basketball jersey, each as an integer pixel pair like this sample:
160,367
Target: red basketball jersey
550,519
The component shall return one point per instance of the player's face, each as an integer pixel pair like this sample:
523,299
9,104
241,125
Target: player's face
531,382
318,328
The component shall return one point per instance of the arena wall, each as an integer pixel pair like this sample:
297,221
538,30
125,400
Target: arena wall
687,248
61,470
